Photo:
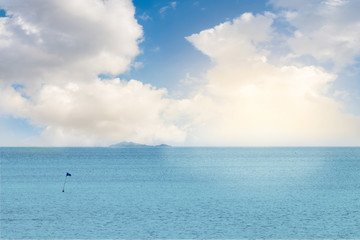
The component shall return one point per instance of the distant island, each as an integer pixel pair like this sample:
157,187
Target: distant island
135,145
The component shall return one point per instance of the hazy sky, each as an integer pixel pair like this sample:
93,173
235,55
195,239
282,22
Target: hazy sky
194,73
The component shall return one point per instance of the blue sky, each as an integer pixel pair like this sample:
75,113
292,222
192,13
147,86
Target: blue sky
214,73
167,56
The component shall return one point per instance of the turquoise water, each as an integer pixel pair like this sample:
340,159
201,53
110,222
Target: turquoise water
180,193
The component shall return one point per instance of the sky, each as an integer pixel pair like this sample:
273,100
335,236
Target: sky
184,73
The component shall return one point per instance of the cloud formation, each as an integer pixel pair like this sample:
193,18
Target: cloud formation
52,52
164,9
250,101
50,41
328,30
255,93
99,112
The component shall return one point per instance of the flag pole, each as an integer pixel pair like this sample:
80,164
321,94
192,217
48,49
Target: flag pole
64,183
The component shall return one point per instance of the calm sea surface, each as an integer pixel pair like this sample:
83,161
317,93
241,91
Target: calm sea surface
180,193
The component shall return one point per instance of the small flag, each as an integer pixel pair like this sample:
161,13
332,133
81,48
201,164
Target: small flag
68,174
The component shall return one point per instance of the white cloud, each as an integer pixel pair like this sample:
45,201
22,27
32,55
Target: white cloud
164,9
56,40
5,36
327,30
250,101
237,39
335,3
137,65
97,112
56,49
173,4
145,17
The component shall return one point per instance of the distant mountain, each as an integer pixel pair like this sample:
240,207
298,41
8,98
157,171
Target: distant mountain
163,145
134,145
128,144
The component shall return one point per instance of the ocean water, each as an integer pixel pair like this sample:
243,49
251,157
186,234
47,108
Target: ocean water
181,193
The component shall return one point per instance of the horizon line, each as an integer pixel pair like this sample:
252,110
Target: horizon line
185,146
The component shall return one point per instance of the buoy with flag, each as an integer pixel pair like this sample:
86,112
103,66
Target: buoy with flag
67,174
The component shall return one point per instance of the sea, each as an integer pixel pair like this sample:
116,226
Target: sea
180,193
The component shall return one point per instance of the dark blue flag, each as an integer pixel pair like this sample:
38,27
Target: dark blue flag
68,174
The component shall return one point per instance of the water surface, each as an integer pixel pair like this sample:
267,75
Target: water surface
180,193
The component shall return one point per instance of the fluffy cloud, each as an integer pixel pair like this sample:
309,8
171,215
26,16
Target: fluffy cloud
328,30
100,112
249,101
51,54
54,41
